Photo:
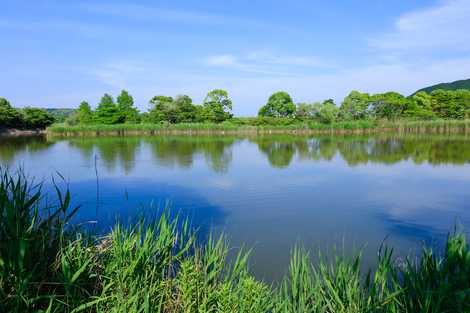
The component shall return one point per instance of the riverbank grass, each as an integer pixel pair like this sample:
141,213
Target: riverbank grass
48,265
247,125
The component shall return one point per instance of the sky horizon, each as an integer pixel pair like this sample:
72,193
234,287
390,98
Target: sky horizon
57,54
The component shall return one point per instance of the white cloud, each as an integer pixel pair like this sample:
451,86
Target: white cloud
221,60
443,28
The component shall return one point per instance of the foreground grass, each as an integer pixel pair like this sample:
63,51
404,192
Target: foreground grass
255,125
48,266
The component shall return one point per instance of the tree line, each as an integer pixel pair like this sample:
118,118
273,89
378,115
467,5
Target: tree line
446,104
27,118
217,107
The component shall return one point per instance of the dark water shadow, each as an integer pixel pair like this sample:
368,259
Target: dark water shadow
429,236
126,201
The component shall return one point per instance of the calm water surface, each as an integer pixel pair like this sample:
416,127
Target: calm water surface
269,193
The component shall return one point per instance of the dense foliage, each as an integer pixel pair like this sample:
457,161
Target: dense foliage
279,104
127,113
27,118
107,111
9,117
48,266
84,113
446,104
178,110
216,108
36,118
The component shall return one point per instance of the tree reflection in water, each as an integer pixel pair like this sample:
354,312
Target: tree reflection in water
181,151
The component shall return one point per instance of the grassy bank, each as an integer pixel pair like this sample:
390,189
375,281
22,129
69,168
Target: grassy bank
48,265
283,126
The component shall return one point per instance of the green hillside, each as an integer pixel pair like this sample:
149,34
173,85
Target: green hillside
60,114
459,84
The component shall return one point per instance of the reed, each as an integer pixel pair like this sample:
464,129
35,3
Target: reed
47,265
266,126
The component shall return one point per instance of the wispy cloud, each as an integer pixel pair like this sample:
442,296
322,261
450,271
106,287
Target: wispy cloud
270,58
227,60
84,29
442,28
264,62
136,20
155,13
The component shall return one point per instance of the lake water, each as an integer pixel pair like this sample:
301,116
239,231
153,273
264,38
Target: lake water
269,192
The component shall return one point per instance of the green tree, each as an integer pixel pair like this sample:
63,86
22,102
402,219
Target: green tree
442,102
127,113
217,106
158,112
307,110
178,110
328,112
454,104
107,112
279,105
84,113
463,102
183,110
201,114
36,118
355,106
390,105
420,106
72,120
9,116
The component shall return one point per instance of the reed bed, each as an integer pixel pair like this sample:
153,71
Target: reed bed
48,265
242,126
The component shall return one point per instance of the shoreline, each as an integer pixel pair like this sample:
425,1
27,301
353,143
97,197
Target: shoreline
13,132
344,128
227,129
294,132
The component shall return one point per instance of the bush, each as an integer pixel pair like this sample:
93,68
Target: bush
73,120
36,118
9,117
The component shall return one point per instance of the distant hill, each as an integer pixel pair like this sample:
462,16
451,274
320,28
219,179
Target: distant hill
459,84
60,114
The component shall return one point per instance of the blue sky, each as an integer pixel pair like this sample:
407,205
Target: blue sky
58,53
